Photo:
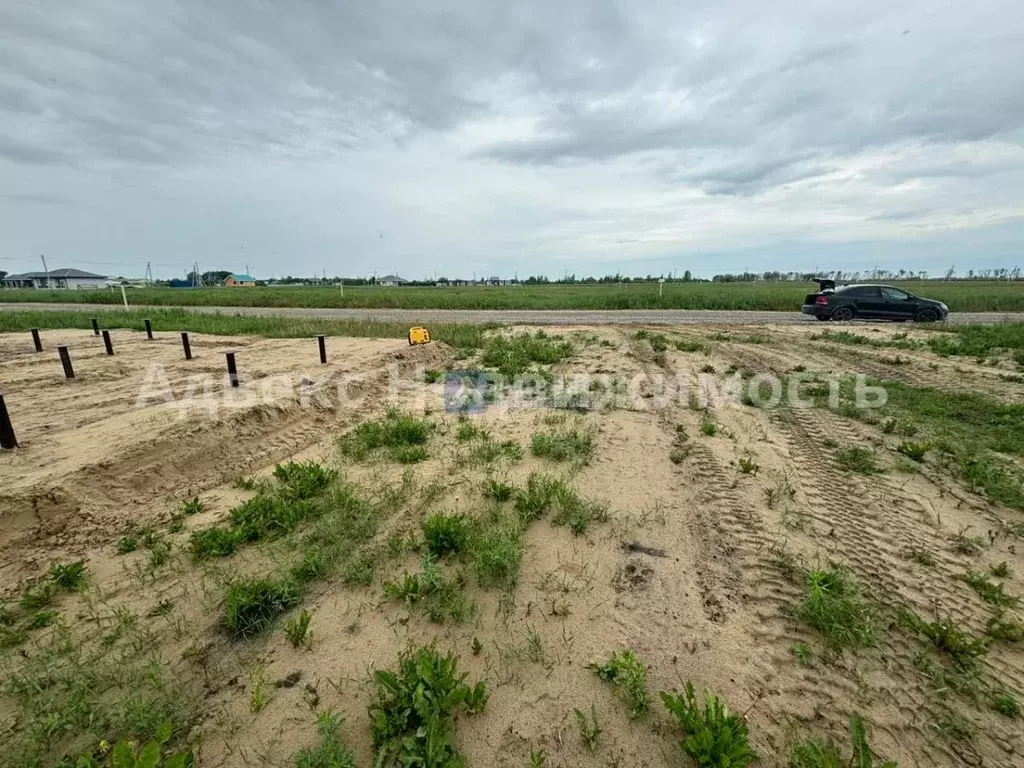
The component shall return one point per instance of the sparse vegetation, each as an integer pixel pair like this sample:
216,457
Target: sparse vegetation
496,548
445,534
748,466
498,491
401,435
859,459
251,606
630,678
783,491
192,506
1001,570
713,736
37,596
151,754
441,597
70,576
968,545
297,629
834,606
920,556
990,593
708,427
127,544
913,451
562,445
213,542
1006,704
589,728
948,638
1004,627
411,717
516,355
330,752
544,493
827,754
803,652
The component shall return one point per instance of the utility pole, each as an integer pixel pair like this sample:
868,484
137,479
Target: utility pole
45,270
149,272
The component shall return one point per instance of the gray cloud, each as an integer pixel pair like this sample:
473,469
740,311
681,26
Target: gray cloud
472,132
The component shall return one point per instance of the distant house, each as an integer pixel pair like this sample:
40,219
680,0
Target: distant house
391,280
55,278
239,280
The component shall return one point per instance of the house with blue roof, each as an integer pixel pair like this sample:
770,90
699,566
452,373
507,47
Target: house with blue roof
239,280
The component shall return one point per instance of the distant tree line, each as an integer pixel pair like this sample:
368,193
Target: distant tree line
217,277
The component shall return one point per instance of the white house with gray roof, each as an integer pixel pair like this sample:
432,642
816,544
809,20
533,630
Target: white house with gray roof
55,278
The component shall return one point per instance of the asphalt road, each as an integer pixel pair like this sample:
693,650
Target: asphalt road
518,316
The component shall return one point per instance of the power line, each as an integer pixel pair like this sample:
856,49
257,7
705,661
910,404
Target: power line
104,263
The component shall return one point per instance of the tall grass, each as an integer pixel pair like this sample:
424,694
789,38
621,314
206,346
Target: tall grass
176,320
999,296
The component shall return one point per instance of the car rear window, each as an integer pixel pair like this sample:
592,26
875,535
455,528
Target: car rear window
860,291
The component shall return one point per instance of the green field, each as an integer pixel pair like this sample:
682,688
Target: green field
992,296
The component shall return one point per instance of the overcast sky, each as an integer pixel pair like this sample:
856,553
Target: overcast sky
461,136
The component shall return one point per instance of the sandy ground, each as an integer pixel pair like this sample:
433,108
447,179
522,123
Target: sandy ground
714,609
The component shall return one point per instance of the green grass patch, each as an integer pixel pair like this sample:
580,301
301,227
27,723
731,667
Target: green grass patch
70,576
834,606
968,432
658,341
544,494
610,293
629,676
498,491
359,570
412,715
1006,704
213,542
251,606
563,445
517,354
431,591
127,544
403,436
303,491
496,548
469,431
445,534
714,736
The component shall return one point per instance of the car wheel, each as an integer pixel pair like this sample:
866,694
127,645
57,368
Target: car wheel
823,317
842,314
926,316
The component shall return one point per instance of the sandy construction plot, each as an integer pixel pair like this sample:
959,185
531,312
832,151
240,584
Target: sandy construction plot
695,534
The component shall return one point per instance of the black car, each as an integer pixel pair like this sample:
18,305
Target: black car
875,302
